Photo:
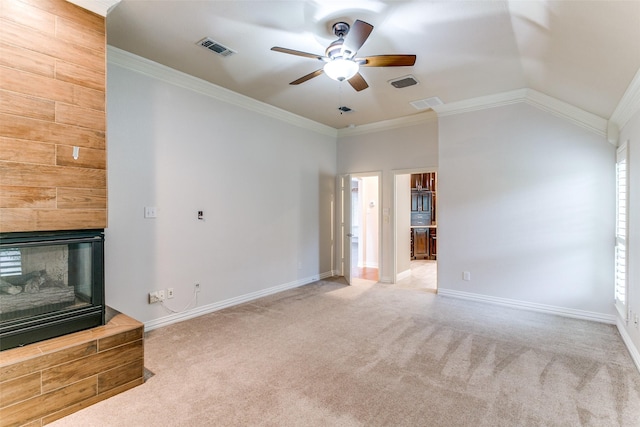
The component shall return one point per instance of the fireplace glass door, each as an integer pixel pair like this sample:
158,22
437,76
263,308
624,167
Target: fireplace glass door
50,284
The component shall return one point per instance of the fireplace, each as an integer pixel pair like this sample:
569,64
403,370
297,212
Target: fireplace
51,284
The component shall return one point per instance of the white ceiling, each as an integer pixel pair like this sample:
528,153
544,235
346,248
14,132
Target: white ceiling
581,52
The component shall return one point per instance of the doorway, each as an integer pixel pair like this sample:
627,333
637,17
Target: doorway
365,223
360,226
415,226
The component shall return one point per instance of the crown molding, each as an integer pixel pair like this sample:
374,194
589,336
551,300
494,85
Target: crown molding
145,66
629,104
589,121
100,7
415,119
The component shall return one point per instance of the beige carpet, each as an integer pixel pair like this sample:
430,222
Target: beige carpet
377,355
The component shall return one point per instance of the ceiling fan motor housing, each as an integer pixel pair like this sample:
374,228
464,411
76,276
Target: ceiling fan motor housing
337,49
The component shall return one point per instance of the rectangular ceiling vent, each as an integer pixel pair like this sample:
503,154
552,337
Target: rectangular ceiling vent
345,109
405,81
423,104
216,47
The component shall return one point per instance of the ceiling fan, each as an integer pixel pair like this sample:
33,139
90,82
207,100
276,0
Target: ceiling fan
340,58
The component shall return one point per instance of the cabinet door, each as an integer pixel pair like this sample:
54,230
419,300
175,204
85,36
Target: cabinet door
420,245
432,243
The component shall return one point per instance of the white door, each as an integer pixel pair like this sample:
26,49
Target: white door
345,221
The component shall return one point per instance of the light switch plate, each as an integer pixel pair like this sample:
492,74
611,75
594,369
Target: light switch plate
150,212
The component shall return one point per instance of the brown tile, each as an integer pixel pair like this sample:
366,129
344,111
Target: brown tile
78,33
82,198
19,389
91,401
61,375
27,106
22,36
79,116
13,364
120,338
20,150
38,130
25,14
27,197
120,375
30,175
26,60
89,20
33,409
87,157
76,74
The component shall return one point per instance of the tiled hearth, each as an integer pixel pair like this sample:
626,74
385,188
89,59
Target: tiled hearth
44,381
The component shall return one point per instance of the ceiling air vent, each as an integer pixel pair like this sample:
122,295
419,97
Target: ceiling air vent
405,81
423,104
216,47
344,109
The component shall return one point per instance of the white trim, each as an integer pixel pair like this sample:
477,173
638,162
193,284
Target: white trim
403,275
210,308
415,119
531,306
589,121
481,103
100,7
145,66
629,104
633,351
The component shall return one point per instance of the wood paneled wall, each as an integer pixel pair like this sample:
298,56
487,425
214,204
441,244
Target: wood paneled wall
45,381
52,98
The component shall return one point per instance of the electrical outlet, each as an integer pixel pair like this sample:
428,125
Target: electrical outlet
161,295
197,288
169,293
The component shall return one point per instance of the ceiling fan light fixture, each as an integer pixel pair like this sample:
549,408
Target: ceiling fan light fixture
341,69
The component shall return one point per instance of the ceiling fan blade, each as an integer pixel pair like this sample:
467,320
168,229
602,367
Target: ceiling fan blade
387,61
298,53
309,76
357,35
358,82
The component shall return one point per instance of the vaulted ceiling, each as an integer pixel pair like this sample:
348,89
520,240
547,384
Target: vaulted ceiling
584,53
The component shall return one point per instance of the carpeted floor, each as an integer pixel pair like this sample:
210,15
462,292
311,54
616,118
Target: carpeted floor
327,354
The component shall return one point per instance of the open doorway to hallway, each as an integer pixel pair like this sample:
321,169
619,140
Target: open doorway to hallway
416,230
365,225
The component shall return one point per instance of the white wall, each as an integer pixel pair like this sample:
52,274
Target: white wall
526,205
369,222
631,134
411,147
265,187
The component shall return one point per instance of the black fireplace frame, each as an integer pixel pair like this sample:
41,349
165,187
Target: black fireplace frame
23,331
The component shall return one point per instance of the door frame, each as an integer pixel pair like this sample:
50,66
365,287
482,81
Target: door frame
344,180
396,210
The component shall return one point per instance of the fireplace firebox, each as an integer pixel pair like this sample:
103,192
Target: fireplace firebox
51,284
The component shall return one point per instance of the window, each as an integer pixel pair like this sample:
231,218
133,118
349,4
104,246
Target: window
10,262
622,187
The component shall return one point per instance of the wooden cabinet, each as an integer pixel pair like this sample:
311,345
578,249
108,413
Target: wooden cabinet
420,244
423,215
423,195
423,243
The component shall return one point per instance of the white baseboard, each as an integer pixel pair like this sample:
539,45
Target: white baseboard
403,275
531,306
633,350
210,308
